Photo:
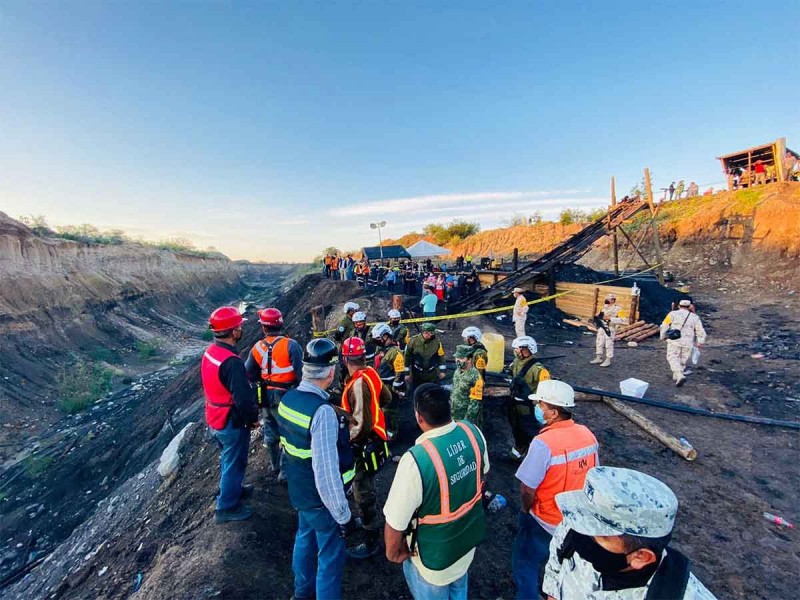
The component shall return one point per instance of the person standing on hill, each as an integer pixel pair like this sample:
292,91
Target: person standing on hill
679,189
520,314
231,411
761,172
671,190
683,331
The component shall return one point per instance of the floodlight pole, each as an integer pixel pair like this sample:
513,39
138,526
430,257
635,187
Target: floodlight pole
380,239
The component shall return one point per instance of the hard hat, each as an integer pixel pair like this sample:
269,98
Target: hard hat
271,317
379,330
525,341
359,316
685,302
555,393
472,332
353,346
348,306
610,297
225,318
617,501
394,314
429,327
321,351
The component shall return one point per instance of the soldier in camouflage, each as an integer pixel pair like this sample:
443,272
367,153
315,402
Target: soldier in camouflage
613,543
466,399
480,357
399,331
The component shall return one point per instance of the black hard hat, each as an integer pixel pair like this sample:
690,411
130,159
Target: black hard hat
321,351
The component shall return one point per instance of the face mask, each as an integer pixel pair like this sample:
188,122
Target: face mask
603,561
462,364
537,412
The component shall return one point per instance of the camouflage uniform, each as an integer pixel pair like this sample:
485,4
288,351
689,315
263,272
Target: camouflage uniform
679,351
480,358
466,399
344,329
400,335
613,502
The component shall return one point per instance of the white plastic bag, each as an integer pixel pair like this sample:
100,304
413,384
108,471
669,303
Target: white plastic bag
695,355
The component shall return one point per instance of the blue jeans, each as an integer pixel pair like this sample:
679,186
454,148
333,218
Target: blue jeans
422,590
528,555
427,313
270,427
233,447
319,556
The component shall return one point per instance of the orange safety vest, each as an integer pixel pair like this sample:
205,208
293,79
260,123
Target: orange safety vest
374,383
335,264
272,353
573,451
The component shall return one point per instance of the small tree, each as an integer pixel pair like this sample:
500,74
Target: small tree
535,218
37,223
514,220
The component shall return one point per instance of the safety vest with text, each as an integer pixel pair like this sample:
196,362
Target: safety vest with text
272,353
219,399
573,451
450,520
373,383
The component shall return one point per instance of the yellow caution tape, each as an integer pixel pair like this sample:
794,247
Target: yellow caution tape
488,311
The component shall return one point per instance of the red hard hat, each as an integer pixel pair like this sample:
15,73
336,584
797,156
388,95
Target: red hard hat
225,318
271,317
353,346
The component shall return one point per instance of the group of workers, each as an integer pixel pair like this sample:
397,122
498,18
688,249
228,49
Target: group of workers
585,531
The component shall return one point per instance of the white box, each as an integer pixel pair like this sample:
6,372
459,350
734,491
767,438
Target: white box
633,387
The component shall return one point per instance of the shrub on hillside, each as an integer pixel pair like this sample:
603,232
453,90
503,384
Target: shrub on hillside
148,350
81,385
571,216
453,232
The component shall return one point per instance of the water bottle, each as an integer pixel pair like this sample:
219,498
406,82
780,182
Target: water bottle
497,503
778,520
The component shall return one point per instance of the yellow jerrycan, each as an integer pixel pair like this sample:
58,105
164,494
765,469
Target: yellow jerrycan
496,348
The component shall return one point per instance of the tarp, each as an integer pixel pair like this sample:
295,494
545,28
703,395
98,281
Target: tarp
388,252
423,249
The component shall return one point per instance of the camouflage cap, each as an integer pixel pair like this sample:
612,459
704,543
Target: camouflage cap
429,327
616,501
463,351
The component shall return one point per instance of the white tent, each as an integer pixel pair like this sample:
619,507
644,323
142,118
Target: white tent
423,249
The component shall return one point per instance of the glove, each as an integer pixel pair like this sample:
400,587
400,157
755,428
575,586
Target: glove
348,528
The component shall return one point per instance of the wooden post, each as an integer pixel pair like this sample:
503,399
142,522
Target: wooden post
551,283
670,441
596,297
318,319
635,247
515,264
656,241
614,231
397,302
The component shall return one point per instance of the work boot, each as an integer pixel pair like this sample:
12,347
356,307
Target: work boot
680,381
247,491
597,360
281,477
606,363
240,513
370,547
687,371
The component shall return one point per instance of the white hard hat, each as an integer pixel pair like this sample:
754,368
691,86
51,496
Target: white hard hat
526,341
379,329
394,314
555,393
348,306
359,316
472,332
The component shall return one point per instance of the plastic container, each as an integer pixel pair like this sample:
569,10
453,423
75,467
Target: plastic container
633,387
496,349
494,502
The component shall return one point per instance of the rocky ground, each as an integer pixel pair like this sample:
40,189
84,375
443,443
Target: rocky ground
139,536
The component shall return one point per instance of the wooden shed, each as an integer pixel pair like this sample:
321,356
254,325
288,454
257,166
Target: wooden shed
741,162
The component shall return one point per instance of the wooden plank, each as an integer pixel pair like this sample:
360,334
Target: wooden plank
645,334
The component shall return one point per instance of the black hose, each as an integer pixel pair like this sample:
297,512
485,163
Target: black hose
690,410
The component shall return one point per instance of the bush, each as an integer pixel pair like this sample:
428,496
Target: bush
89,234
36,465
102,355
571,216
82,385
37,224
455,231
148,350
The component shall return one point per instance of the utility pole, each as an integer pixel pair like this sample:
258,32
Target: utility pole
380,240
614,230
656,241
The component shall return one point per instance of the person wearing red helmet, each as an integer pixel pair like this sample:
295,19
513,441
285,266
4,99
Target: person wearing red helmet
363,396
276,364
230,410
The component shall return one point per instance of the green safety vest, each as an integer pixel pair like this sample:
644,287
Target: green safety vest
450,520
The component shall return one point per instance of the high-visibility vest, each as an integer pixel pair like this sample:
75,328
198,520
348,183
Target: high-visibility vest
450,520
573,451
374,384
219,399
277,371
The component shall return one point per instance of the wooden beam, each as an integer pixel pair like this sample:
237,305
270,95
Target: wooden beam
656,239
635,247
318,318
397,302
614,238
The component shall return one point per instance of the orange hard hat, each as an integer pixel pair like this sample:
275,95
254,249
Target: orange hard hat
225,318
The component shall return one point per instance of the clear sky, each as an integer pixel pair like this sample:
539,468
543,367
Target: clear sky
274,129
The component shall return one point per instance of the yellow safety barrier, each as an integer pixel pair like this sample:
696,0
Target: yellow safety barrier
488,311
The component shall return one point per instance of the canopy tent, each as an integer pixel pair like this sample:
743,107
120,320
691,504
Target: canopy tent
386,252
423,249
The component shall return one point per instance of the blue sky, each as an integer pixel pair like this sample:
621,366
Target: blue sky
274,129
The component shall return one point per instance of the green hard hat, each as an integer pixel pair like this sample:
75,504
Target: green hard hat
463,351
429,327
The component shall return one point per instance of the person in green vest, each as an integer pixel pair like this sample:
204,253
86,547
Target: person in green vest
346,327
526,373
449,460
425,360
466,398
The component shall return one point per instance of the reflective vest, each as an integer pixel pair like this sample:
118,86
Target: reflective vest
373,383
295,413
385,363
219,399
450,520
573,451
272,353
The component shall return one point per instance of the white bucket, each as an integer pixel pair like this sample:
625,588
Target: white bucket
633,387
